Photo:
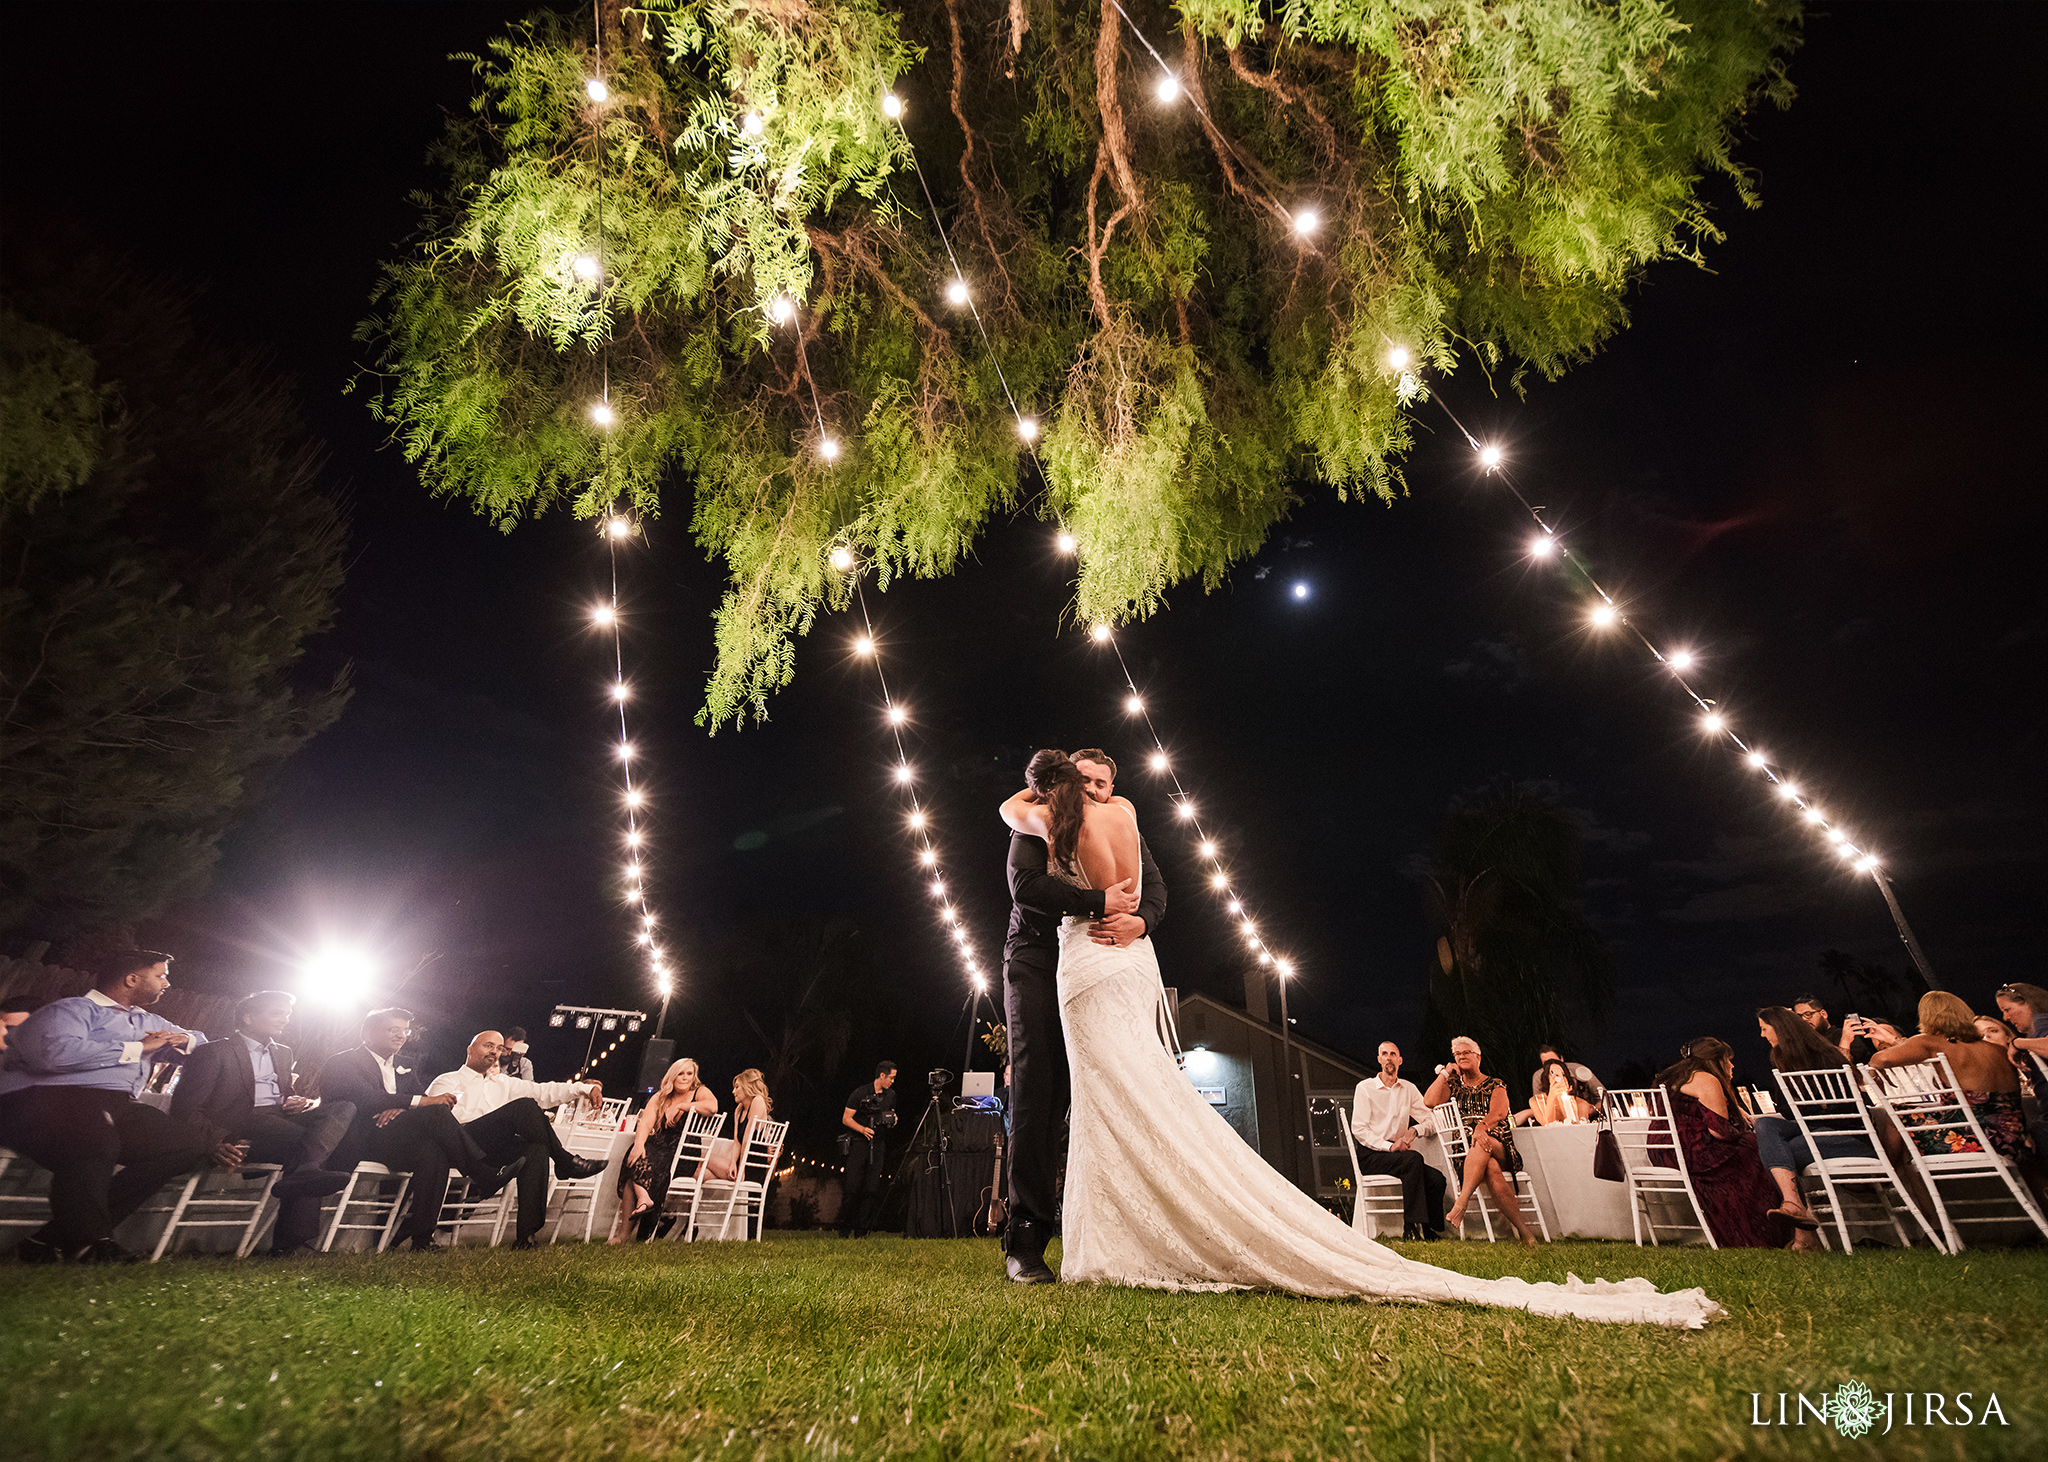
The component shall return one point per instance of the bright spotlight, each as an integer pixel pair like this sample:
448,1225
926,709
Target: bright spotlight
1397,358
340,976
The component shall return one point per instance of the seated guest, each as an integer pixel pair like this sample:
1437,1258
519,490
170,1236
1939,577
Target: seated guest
2025,1008
1563,1101
1738,1200
1483,1107
1783,1148
650,1162
1582,1076
1850,1040
68,1102
1998,1033
503,1116
399,1126
241,1090
13,1013
515,1061
1986,1077
1387,1115
750,1104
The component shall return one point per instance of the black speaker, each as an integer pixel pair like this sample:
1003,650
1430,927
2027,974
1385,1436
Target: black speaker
654,1062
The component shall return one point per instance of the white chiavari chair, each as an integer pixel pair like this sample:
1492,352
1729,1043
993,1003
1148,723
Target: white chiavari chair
1640,1119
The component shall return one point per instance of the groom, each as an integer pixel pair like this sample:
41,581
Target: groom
1031,1007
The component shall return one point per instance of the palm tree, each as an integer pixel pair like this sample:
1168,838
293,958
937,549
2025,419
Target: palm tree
1515,949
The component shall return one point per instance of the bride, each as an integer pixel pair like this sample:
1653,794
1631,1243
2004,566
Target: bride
1161,1191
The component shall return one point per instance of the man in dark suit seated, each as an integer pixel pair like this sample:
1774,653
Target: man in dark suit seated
397,1124
241,1090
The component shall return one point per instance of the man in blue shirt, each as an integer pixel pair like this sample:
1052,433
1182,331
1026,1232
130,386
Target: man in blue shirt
67,1101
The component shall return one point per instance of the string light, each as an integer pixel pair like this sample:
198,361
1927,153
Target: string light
829,449
1758,760
1489,457
1134,706
1681,660
603,414
753,124
1397,358
1306,222
1027,428
1066,543
618,527
1542,546
1159,761
842,560
1604,615
892,106
597,91
604,615
1168,90
781,309
586,266
956,292
863,645
619,691
1100,633
1713,723
897,715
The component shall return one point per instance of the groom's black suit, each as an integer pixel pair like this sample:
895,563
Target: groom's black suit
1031,1008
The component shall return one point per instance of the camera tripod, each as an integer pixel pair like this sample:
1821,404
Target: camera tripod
942,1146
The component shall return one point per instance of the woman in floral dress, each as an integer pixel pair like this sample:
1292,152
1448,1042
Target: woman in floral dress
1483,1106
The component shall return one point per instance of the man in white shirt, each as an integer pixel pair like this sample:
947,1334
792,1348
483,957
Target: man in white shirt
502,1115
1382,1110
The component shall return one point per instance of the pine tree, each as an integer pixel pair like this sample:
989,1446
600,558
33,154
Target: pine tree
166,549
1485,179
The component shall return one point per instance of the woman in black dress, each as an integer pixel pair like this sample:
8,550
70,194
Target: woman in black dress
644,1175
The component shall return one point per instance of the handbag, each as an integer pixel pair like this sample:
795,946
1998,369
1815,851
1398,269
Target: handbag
1607,1163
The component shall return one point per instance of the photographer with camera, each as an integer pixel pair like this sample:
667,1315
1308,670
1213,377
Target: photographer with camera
870,1113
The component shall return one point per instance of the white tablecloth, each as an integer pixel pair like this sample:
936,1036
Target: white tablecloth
1559,1161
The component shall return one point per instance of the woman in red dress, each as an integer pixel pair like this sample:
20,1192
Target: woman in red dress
1737,1196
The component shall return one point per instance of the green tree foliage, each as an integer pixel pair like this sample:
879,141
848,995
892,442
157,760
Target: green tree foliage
1515,949
1488,178
165,551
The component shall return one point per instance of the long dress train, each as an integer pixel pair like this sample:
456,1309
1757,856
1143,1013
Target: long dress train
1162,1193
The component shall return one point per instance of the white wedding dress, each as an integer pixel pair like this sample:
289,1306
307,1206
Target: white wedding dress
1161,1192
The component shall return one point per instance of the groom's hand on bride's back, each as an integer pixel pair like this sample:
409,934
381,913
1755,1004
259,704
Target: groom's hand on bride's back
1117,929
1120,898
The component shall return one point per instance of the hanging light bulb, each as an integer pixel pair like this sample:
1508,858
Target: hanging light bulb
633,838
596,90
897,715
956,292
1027,428
1218,880
1681,660
753,124
917,819
1208,849
1306,222
842,559
1758,760
635,797
1542,546
903,773
781,309
1100,634
619,691
1789,791
1489,457
1814,814
603,614
892,106
829,449
1284,967
1159,762
1187,807
1604,615
928,858
1134,705
1168,90
938,887
1066,543
617,527
625,751
863,646
585,265
1867,863
1397,358
1713,723
603,414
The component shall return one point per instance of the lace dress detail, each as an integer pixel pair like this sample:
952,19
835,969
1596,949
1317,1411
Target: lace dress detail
1162,1193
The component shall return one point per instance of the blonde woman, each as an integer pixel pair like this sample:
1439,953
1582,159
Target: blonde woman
750,1104
644,1175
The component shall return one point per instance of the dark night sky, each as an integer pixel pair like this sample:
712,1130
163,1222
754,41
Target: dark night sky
1813,461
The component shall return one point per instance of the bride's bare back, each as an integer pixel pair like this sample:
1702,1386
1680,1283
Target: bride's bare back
1107,849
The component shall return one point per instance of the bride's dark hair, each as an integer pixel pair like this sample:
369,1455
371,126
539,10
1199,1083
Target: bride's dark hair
1057,781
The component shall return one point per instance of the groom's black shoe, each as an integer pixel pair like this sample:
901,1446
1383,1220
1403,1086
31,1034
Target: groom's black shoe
1025,1257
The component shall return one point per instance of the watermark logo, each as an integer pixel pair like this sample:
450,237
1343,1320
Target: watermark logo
1854,1410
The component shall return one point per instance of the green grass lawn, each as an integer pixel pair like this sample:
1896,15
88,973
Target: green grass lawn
805,1346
